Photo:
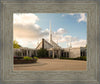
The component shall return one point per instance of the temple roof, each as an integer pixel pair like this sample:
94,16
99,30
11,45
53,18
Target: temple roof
46,45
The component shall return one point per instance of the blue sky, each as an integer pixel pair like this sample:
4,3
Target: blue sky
35,26
68,22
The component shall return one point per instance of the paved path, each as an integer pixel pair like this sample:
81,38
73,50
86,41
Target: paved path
53,64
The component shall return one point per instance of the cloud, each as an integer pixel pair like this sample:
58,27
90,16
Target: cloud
72,14
79,43
27,43
58,35
75,42
25,18
28,33
63,15
68,14
70,38
62,38
82,18
61,31
26,30
25,27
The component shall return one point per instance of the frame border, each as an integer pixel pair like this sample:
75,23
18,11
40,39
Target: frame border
8,75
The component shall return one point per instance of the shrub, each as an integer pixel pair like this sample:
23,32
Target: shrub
78,58
83,58
63,58
27,58
35,58
18,58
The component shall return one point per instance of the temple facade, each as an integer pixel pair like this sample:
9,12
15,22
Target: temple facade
52,52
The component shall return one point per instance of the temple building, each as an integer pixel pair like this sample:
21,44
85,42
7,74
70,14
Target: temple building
54,50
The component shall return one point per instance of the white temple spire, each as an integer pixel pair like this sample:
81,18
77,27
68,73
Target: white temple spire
70,43
50,32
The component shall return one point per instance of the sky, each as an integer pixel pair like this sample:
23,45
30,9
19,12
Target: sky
68,29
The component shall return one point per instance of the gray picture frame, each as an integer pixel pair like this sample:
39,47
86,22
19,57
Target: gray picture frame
9,76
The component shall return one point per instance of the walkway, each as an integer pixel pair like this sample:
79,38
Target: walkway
53,64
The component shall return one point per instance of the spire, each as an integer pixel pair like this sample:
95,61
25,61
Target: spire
50,32
70,43
67,45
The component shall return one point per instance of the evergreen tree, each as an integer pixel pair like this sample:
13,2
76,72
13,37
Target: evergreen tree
42,53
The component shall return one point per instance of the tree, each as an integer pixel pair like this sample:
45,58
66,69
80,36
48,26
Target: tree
42,53
15,44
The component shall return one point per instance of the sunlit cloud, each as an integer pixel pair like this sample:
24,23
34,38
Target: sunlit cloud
25,18
82,18
26,30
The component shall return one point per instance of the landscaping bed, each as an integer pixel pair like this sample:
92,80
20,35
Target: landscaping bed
22,61
25,60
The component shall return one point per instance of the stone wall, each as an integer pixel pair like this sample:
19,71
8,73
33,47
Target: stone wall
74,52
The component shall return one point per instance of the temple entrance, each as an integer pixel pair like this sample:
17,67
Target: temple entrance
55,56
